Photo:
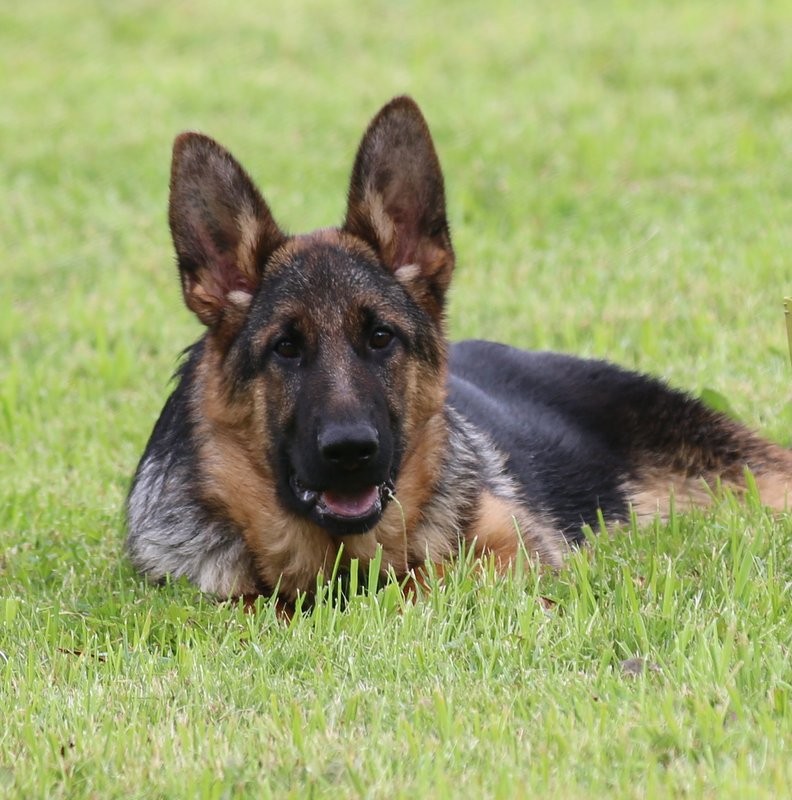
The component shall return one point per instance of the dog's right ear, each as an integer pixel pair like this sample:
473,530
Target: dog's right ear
222,230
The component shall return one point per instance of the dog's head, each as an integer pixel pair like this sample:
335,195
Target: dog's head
329,345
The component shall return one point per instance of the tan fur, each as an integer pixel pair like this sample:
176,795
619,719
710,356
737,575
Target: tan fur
201,297
774,477
380,219
402,533
653,494
657,489
494,530
249,227
775,490
500,528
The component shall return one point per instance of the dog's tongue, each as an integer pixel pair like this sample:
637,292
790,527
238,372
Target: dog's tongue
355,504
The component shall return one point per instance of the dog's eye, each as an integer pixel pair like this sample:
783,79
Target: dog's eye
380,338
286,348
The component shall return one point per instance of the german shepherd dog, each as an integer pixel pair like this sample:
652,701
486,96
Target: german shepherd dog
323,417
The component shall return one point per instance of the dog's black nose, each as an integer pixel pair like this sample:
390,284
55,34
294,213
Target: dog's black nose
349,446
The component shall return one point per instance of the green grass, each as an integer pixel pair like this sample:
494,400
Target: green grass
620,185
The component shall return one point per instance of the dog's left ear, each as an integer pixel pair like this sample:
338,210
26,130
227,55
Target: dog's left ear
397,202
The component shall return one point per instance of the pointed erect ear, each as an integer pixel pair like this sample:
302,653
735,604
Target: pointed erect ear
222,230
397,202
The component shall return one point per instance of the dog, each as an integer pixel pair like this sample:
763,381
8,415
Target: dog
323,416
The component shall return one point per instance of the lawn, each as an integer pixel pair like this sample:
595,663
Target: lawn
620,185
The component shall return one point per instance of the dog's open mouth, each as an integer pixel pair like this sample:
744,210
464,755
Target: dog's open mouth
344,511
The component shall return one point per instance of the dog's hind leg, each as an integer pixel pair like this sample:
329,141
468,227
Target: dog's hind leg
682,449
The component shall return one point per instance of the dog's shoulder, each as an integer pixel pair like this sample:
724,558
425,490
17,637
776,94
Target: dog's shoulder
549,415
170,532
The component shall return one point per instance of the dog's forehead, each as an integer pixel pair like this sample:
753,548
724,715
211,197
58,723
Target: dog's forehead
323,274
326,258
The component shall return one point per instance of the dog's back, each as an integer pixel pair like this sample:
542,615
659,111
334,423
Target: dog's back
585,437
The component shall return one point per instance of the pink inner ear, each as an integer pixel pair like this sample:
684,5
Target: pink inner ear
242,284
406,236
405,249
221,273
226,278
